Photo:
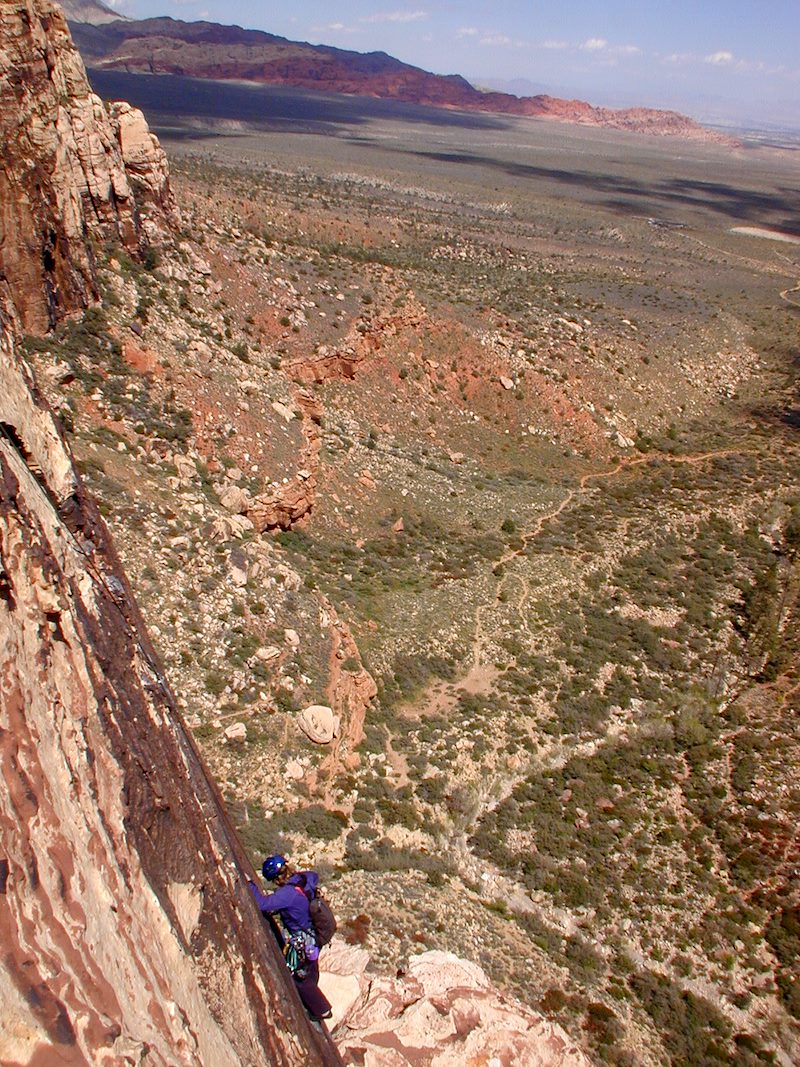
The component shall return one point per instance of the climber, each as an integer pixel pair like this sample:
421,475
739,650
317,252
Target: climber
290,903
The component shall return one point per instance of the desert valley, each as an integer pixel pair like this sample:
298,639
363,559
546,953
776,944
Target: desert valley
453,459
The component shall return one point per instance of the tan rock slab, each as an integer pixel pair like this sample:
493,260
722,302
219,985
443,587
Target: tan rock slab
318,723
236,732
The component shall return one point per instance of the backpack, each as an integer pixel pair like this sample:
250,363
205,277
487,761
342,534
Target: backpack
322,919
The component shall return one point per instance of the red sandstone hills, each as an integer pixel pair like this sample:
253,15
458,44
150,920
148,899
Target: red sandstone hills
209,50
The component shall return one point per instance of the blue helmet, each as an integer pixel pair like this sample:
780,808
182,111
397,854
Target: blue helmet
272,867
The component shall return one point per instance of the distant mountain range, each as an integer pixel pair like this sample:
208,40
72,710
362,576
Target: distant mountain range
209,50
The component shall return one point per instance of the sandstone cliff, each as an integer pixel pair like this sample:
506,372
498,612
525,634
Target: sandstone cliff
73,175
128,933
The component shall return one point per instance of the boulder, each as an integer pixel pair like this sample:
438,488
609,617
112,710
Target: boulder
294,770
235,499
267,653
444,1012
236,732
292,638
285,412
318,723
227,527
238,576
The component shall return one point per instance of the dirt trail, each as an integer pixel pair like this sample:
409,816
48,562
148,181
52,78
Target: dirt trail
481,674
479,642
755,263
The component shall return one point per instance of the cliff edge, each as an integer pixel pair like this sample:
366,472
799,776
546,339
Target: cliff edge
74,175
128,934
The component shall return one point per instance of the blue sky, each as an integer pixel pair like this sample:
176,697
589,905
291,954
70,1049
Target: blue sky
725,59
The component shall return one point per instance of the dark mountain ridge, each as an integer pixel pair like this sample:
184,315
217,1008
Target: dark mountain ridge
209,50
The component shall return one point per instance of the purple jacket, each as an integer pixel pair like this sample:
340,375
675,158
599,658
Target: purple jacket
290,901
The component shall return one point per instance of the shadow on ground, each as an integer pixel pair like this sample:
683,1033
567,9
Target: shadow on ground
268,108
625,194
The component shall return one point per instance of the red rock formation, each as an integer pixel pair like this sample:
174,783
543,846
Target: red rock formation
361,344
208,50
290,504
64,174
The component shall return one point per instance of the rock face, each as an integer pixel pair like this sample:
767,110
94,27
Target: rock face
208,50
443,1012
64,175
128,932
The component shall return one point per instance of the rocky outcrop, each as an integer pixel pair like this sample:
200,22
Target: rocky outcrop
64,183
288,505
208,50
128,932
362,343
145,165
443,1012
351,688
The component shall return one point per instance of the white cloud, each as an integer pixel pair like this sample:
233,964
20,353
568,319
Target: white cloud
627,50
555,45
467,31
719,59
334,27
496,40
594,44
395,16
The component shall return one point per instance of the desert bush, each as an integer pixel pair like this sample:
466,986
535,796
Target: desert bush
312,821
692,1030
783,935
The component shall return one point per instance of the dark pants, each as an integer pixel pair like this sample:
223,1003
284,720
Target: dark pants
314,1000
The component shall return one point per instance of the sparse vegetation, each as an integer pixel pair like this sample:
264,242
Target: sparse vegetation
576,591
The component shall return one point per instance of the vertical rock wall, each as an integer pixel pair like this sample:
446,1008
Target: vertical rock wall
63,178
127,933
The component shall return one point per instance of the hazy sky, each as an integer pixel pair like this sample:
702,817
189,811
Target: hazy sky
731,58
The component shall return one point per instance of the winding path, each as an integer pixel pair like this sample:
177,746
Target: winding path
479,641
